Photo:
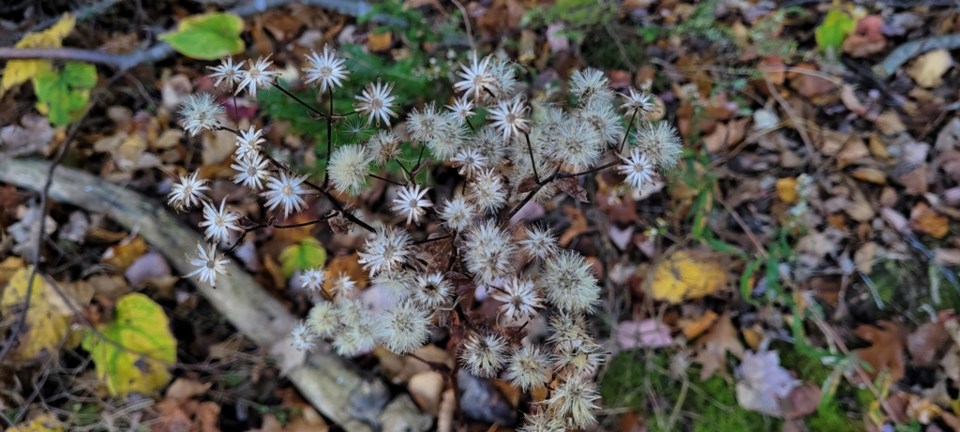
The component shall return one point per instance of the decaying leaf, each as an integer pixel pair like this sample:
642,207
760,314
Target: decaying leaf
712,348
763,383
46,326
787,190
20,71
926,220
132,353
32,135
886,350
648,333
684,275
928,69
124,254
41,423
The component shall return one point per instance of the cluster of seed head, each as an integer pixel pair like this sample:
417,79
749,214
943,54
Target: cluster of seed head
512,157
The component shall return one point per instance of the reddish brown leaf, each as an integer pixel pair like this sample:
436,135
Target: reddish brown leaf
886,350
571,186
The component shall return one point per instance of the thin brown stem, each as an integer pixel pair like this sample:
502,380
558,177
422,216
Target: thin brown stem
434,239
21,323
336,204
533,162
326,163
623,142
301,101
386,180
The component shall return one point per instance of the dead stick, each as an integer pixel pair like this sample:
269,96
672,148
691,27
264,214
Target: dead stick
162,50
325,379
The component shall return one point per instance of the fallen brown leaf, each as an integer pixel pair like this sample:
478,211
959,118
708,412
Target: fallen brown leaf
886,350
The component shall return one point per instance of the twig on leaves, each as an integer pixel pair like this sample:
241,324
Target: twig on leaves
162,50
335,389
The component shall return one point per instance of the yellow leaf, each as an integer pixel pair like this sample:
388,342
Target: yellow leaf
132,354
40,423
787,190
928,69
46,326
20,71
683,276
124,254
8,267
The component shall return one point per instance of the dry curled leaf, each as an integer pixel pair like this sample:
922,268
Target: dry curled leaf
712,348
685,275
886,350
571,186
926,220
928,69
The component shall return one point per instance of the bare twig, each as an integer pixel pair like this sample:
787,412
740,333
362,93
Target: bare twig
325,379
909,50
162,50
42,229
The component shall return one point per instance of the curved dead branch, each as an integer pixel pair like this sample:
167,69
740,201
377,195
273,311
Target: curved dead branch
354,401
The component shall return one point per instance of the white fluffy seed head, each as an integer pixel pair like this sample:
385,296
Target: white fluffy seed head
528,367
578,145
284,191
399,284
602,117
483,355
489,253
636,169
487,191
357,333
458,213
490,145
538,243
582,358
325,69
542,421
568,283
590,86
312,279
412,202
384,146
385,250
303,338
405,328
377,103
448,138
349,168
200,112
355,339
433,291
425,124
344,286
520,300
660,142
323,319
575,399
567,328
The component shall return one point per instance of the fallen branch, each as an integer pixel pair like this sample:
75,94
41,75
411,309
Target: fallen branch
909,50
162,50
354,402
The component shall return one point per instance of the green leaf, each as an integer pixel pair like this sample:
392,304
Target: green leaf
133,352
833,30
80,75
207,36
307,254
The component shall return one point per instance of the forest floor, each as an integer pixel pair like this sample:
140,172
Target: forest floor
797,270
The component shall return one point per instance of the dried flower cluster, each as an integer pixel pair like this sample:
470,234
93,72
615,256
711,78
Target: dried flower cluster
517,155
